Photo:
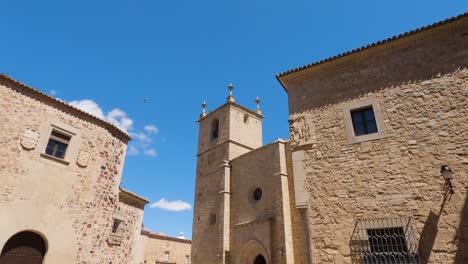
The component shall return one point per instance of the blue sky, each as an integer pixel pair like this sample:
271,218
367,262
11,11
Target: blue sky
114,54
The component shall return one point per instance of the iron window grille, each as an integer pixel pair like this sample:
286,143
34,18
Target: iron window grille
385,241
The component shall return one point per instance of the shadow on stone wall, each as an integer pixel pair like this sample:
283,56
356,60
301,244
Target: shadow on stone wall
429,231
462,236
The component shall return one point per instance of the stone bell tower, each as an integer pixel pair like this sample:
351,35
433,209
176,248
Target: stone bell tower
224,134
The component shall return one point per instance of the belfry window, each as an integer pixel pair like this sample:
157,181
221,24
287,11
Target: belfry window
215,129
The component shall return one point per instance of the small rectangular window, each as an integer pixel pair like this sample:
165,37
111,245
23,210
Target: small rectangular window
212,219
166,256
116,226
57,145
364,121
187,259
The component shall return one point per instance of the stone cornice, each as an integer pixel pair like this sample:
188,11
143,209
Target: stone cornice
130,198
238,106
297,73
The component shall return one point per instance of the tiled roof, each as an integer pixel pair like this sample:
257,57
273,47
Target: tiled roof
134,195
45,96
446,21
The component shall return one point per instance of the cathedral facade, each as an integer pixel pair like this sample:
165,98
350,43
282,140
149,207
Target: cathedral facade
375,170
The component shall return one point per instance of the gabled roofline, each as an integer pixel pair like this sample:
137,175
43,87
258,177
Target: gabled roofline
363,48
109,126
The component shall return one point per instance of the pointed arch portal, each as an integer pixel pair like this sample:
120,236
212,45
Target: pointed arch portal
259,260
24,248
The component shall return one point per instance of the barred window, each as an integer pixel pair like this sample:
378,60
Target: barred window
385,241
166,256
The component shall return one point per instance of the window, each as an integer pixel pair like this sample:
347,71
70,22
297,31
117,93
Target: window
116,225
387,240
187,259
166,256
257,194
57,145
364,121
215,129
212,219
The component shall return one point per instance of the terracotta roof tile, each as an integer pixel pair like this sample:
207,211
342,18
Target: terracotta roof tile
133,195
446,21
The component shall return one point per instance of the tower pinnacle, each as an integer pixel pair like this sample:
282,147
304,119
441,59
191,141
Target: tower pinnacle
231,98
203,113
257,102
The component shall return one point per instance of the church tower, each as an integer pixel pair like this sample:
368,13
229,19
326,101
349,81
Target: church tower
228,132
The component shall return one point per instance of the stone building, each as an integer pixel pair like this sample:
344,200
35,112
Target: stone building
160,248
243,200
60,170
375,170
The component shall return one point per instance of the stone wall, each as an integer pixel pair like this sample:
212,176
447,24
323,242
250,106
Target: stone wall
421,85
70,202
261,226
239,132
156,245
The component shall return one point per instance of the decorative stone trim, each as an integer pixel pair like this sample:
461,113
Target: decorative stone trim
30,138
83,158
351,137
114,239
299,131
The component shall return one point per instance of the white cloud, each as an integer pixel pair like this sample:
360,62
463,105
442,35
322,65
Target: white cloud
152,129
151,152
88,106
132,151
171,205
143,138
120,119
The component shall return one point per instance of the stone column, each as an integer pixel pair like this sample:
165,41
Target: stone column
226,210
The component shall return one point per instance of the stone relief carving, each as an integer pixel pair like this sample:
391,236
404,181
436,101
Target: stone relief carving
83,158
299,131
30,138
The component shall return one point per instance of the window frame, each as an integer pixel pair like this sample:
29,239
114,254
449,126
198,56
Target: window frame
350,107
59,140
166,256
45,131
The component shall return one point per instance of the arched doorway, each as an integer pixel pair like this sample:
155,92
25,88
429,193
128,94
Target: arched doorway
259,260
23,248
